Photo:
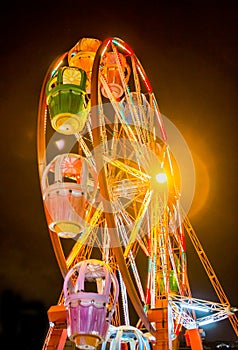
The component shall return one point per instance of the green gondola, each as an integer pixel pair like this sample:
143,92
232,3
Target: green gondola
66,99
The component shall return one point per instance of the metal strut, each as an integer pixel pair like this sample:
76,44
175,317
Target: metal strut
210,272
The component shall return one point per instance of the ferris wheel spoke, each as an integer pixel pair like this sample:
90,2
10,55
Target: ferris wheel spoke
138,222
84,147
128,169
92,223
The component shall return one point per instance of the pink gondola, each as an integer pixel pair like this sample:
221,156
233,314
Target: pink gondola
89,310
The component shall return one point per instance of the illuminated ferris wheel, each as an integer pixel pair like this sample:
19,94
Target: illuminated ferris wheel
111,190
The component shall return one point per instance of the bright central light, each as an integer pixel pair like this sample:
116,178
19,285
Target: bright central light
161,178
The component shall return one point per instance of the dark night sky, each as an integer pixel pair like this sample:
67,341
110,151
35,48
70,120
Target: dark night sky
189,51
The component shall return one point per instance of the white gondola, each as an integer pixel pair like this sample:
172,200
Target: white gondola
65,186
126,337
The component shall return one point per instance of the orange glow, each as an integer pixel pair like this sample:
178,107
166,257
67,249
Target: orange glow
202,187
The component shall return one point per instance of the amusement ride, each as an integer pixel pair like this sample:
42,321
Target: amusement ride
111,189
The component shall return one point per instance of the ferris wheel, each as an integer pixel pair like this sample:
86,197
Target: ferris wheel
111,190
